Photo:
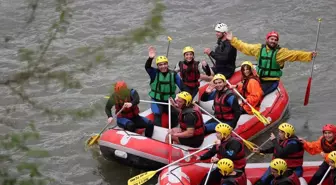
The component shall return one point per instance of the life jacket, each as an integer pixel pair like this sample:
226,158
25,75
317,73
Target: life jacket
327,147
163,86
223,111
240,180
199,125
268,66
189,73
291,178
245,84
292,160
240,160
332,177
119,103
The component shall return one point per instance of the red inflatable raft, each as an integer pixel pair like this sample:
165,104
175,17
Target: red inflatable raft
151,153
193,174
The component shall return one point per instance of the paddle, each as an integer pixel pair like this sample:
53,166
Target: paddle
249,156
249,144
324,176
207,178
144,177
212,61
306,99
256,113
169,136
93,139
169,39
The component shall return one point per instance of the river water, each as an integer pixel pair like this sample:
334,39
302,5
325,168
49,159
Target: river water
188,23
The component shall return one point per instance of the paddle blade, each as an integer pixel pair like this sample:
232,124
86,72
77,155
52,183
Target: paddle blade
107,97
260,117
169,38
250,145
306,100
141,179
92,140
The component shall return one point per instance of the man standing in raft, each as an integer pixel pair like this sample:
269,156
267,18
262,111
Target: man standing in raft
324,145
271,58
191,131
192,71
129,118
288,147
224,54
163,82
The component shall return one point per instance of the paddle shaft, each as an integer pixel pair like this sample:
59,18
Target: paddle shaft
168,48
111,120
169,135
212,61
306,100
325,175
249,156
235,90
207,178
147,101
217,120
175,162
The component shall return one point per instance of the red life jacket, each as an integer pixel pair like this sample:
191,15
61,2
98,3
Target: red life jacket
128,113
223,111
292,178
332,176
189,73
240,160
199,125
240,180
326,146
292,160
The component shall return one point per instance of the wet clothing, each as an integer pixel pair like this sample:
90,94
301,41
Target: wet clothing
288,178
129,118
233,149
316,147
251,90
192,118
162,90
282,55
225,56
226,107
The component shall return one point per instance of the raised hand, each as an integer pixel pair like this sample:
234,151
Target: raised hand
210,88
228,35
151,52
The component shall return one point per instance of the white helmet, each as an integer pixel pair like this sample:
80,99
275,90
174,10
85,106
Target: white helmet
221,27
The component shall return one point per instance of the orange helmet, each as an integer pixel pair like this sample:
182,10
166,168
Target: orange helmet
119,86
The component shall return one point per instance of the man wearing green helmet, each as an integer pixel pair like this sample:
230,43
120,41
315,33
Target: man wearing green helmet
191,131
163,82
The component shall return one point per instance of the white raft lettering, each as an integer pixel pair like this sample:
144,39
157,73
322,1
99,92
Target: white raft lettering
126,137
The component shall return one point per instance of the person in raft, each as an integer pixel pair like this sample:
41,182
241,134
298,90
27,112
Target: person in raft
227,146
282,174
271,58
324,145
288,147
129,118
163,82
249,88
230,176
191,131
332,164
226,106
225,55
192,71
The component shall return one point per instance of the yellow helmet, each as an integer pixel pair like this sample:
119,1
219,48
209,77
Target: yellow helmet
280,165
225,166
224,129
160,59
288,129
219,76
332,156
247,63
188,49
186,96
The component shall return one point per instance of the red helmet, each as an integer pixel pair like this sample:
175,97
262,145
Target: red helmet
329,127
272,34
120,85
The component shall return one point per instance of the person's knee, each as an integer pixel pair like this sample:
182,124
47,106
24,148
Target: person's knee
155,108
130,126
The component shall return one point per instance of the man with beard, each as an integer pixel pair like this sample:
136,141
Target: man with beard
163,82
224,54
271,58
